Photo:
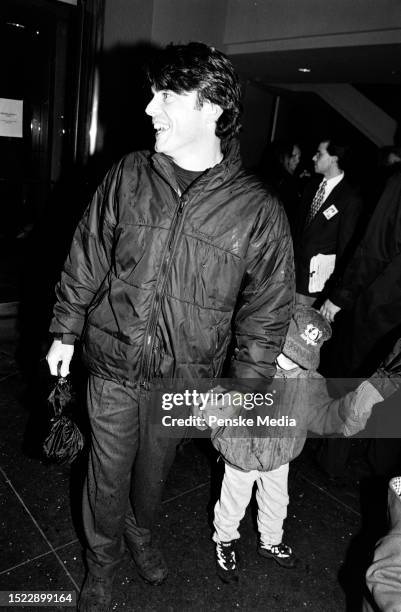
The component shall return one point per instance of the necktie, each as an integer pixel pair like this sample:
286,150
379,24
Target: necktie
317,201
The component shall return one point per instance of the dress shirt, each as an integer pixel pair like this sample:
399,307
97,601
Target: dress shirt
331,183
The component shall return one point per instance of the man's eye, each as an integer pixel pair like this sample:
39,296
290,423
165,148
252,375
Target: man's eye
167,95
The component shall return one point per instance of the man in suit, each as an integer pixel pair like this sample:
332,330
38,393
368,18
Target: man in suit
330,210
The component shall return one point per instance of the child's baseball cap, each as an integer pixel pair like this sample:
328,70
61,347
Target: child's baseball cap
307,331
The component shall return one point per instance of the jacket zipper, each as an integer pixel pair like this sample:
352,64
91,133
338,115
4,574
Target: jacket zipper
155,308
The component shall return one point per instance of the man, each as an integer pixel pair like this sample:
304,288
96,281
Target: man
370,287
179,252
329,214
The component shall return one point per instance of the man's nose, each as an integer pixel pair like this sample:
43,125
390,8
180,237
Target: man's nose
151,107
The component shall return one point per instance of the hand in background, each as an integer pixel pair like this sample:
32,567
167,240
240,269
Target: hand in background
329,310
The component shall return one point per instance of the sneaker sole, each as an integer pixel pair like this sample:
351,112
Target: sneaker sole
287,563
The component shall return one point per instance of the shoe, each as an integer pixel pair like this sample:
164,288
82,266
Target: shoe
281,553
149,561
95,594
226,559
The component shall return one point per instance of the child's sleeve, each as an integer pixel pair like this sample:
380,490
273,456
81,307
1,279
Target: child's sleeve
349,414
359,409
346,415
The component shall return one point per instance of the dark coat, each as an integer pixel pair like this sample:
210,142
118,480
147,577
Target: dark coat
371,286
156,282
326,236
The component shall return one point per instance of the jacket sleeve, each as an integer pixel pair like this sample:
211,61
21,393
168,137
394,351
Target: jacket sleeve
346,415
380,245
348,238
89,260
266,299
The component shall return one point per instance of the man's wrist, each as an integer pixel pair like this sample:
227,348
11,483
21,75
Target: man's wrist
65,338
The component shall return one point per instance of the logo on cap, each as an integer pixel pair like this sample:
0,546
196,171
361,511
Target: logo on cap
311,334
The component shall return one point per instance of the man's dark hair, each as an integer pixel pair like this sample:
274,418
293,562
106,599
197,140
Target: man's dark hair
198,67
339,149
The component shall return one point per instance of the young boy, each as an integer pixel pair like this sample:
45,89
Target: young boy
265,460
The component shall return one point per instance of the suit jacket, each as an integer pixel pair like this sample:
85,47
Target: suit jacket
335,235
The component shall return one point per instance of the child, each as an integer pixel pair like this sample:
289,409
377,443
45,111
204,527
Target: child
315,410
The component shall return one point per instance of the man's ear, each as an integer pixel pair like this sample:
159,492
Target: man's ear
213,111
334,159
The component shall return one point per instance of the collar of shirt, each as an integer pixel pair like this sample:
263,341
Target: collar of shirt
331,183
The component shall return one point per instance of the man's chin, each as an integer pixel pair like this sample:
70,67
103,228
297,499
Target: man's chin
159,148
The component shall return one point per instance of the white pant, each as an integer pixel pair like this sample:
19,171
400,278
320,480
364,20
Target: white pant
236,493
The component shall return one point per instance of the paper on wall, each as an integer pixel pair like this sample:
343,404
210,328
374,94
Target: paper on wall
11,117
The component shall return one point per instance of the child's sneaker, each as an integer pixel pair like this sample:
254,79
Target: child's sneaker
226,558
281,553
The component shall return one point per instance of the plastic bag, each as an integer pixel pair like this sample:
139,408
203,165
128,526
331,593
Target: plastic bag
65,440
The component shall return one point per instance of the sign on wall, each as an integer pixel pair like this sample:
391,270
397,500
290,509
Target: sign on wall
11,117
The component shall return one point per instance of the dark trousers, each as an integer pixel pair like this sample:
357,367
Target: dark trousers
128,465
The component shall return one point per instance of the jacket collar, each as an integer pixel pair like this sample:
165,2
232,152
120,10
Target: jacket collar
229,166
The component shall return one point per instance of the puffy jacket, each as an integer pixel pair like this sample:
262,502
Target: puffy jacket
156,283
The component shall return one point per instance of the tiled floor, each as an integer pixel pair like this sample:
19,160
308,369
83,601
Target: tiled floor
40,527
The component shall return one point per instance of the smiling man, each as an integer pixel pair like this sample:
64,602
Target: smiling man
180,255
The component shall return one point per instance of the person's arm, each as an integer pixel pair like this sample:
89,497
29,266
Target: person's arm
265,302
348,414
380,245
348,236
85,269
349,230
357,275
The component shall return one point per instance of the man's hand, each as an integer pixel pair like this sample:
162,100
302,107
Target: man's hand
329,310
60,352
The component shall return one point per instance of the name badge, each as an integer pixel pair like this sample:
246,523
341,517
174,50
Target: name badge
330,212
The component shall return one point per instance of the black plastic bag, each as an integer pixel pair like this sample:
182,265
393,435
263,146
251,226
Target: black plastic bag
65,440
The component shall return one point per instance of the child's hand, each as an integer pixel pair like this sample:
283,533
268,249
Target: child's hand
220,407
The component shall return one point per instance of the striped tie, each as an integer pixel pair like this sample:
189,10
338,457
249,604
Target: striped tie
316,202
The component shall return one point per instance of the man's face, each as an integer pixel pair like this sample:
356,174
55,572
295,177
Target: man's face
323,160
181,125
